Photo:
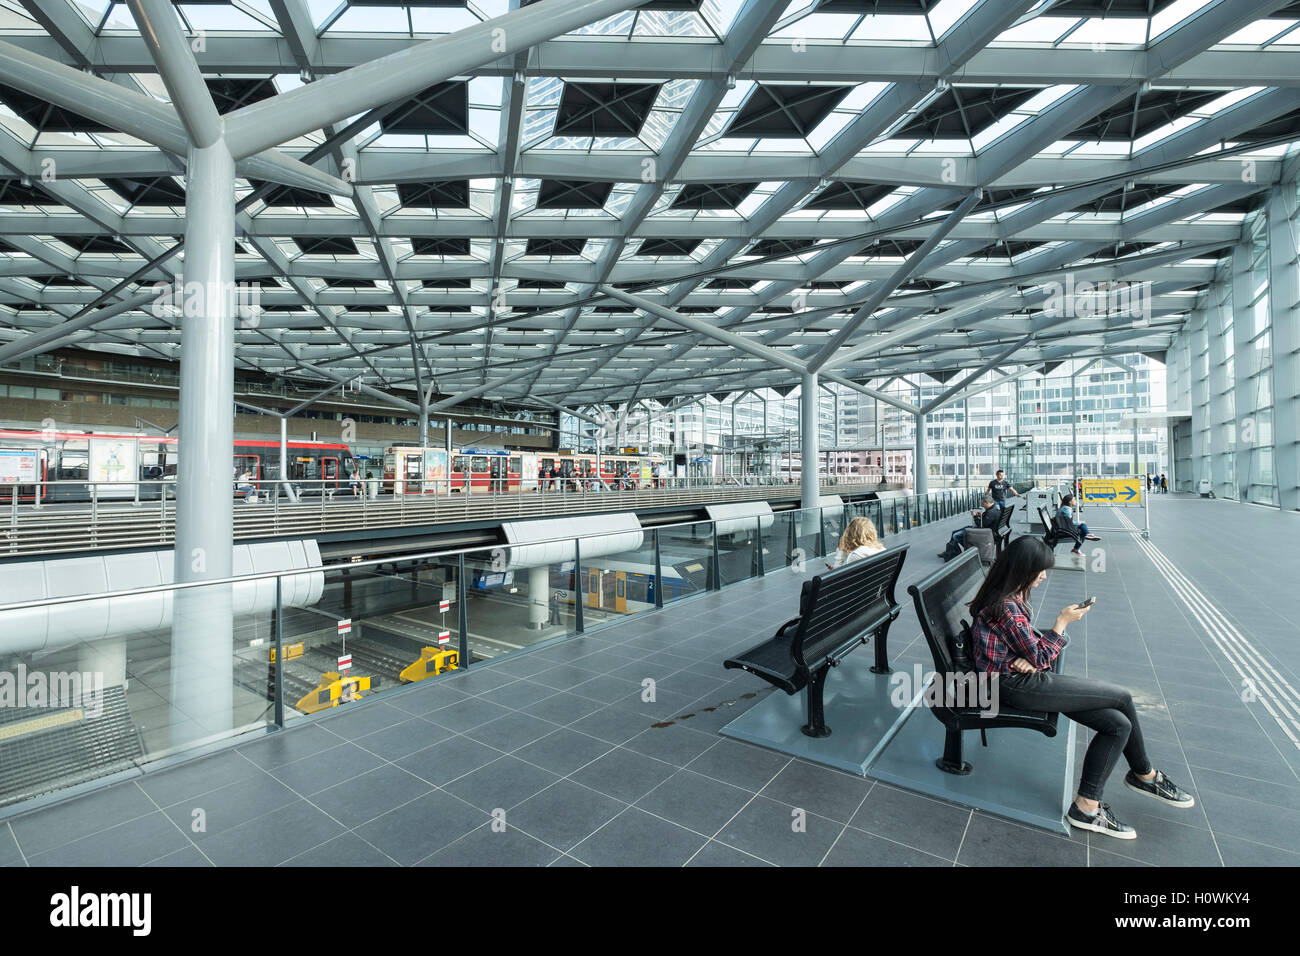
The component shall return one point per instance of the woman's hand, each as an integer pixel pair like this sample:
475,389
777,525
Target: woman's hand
1069,615
1021,666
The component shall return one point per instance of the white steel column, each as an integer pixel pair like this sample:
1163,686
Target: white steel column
202,659
809,492
920,470
539,596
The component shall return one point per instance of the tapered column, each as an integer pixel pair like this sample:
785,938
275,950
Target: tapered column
539,596
920,470
809,494
202,660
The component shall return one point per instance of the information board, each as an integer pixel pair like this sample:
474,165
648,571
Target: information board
1124,491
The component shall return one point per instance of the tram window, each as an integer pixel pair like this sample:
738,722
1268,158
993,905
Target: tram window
636,588
478,463
514,466
460,463
73,466
246,463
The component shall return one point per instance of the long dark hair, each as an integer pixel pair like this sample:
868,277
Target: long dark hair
1067,500
1013,574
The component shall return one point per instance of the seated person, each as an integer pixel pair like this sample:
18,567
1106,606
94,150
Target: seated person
1065,515
859,540
988,518
1004,644
246,488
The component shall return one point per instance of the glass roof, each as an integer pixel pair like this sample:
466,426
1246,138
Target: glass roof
767,167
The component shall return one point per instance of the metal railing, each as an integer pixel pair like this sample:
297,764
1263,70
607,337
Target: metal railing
86,516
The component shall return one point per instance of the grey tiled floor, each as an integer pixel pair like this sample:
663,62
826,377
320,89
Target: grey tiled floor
551,757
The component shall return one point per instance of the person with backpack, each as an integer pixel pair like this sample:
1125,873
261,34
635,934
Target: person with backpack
1065,517
1005,645
988,518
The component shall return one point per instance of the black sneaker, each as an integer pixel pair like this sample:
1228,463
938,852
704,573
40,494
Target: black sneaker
1161,788
1103,821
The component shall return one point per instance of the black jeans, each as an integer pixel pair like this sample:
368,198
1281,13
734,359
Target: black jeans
1106,708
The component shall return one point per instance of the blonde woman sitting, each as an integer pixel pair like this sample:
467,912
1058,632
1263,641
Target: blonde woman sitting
858,541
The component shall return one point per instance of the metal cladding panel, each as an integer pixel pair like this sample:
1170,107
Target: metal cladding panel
602,535
58,626
23,630
315,582
147,612
832,505
84,621
740,517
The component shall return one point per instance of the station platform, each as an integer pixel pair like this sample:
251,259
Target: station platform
552,756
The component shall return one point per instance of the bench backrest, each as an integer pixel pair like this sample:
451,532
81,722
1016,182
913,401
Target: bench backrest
1004,519
839,606
943,603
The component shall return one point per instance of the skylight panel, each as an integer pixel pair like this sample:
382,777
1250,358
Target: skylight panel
371,20
1109,32
1258,33
442,20
215,18
1040,30
893,28
1174,16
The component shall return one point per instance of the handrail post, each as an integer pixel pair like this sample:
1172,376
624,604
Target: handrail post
715,574
659,572
277,625
758,545
579,587
462,609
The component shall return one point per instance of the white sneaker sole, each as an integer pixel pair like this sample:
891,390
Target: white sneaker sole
1191,801
1106,831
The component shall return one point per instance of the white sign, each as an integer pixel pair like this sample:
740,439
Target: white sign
345,662
345,626
113,459
444,637
19,465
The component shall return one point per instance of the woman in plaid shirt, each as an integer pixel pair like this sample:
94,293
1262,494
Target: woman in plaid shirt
1004,643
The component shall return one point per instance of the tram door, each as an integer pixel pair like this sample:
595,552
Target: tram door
329,469
497,465
620,591
593,587
414,472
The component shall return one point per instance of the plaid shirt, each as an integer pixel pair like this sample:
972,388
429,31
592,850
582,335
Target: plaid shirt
1002,632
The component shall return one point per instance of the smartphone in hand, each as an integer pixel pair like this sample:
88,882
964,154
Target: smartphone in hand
1090,602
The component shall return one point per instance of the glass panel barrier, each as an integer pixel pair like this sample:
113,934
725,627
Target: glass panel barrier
686,556
736,549
616,585
97,686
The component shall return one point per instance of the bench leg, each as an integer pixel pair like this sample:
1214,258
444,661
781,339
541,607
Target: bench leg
951,761
813,693
881,639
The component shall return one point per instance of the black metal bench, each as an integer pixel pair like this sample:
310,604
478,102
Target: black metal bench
838,612
943,606
1054,532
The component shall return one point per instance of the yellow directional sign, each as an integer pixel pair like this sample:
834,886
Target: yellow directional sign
1121,491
